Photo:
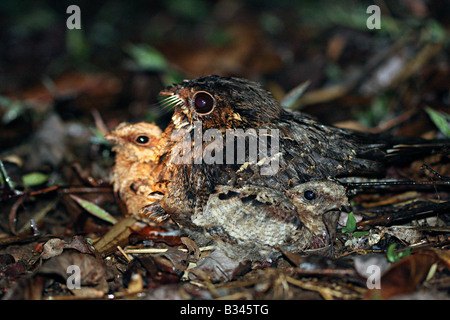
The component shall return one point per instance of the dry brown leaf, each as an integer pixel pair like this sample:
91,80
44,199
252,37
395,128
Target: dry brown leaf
443,255
92,271
404,276
193,249
52,248
116,236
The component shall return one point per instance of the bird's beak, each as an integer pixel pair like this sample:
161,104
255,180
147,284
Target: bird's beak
340,206
170,91
110,137
346,207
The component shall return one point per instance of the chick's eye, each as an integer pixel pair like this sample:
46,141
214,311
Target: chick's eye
309,195
142,139
203,102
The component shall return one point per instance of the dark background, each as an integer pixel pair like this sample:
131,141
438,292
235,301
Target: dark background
150,44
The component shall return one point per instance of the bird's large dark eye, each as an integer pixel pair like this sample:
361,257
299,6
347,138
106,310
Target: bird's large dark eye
142,139
309,195
203,102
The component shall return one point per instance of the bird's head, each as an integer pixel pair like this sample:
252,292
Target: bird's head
318,204
220,102
135,142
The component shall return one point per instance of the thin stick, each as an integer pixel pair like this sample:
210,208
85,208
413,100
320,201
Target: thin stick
394,183
124,253
162,250
435,173
7,180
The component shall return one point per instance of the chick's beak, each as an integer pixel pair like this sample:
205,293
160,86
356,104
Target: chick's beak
110,137
331,216
346,207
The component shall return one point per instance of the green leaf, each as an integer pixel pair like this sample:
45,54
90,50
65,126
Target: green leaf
147,57
359,234
94,209
351,223
391,255
34,179
440,120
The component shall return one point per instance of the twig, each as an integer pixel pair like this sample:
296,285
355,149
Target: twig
435,173
394,183
63,190
325,292
7,179
124,253
406,212
325,272
162,250
13,214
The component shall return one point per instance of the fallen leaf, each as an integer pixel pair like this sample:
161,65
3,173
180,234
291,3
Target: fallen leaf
409,235
94,209
177,258
440,119
80,244
443,255
193,249
216,267
34,179
52,248
92,271
117,236
404,276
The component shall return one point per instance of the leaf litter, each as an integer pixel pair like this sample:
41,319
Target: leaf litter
59,209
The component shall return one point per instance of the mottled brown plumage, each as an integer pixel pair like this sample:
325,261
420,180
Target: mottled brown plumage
307,150
253,222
